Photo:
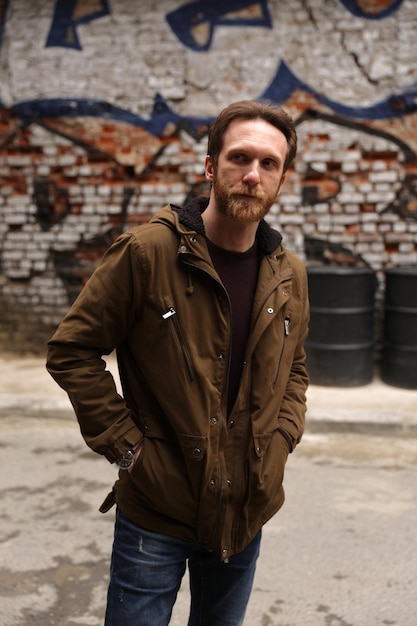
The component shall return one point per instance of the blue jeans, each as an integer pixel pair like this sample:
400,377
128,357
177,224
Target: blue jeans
146,573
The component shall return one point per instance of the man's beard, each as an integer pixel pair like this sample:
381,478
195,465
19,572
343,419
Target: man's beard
232,203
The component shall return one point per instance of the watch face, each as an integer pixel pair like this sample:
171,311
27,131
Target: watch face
126,461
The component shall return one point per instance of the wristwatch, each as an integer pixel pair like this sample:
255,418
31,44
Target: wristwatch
128,458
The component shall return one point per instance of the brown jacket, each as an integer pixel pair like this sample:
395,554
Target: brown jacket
158,300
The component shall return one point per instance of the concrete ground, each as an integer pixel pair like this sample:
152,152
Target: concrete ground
342,552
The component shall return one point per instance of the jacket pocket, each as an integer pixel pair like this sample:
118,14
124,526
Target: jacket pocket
168,474
267,464
170,316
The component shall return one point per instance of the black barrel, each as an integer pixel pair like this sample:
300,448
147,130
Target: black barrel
340,344
399,356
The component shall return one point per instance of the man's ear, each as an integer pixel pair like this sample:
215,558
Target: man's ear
208,168
281,183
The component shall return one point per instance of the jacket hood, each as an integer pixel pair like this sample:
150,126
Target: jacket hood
190,216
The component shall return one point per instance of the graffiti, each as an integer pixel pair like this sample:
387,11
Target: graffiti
51,201
194,23
369,9
68,15
169,141
3,12
285,84
163,121
324,186
79,170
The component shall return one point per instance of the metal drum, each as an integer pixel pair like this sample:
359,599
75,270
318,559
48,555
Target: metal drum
399,359
340,344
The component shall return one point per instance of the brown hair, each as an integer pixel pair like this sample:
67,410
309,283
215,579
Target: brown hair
251,110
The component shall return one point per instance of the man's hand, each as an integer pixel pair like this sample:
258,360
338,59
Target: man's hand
137,449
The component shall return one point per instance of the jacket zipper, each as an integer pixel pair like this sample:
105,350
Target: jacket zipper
171,314
224,414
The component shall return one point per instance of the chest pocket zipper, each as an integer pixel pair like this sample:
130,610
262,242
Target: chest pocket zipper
170,315
284,336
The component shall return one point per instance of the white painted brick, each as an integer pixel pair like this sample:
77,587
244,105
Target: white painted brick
351,155
50,150
85,170
66,160
384,197
290,219
386,176
352,208
43,170
345,219
406,248
369,227
324,228
320,208
68,237
18,160
379,166
404,259
19,201
15,219
369,217
349,168
290,199
349,198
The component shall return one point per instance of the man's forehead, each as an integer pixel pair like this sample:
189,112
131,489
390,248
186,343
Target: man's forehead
254,132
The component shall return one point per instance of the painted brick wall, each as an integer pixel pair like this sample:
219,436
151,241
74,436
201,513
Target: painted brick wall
104,110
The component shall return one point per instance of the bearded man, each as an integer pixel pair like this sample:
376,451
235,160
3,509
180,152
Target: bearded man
208,313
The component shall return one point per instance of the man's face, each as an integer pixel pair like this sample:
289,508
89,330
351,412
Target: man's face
249,172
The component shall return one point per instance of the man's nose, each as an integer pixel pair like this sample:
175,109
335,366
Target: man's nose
252,174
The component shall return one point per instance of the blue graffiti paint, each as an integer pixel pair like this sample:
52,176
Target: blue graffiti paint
212,13
354,7
3,12
285,83
162,116
63,31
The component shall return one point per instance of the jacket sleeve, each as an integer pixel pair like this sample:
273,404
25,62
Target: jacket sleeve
293,408
98,322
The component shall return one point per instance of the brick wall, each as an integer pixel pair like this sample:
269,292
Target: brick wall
104,115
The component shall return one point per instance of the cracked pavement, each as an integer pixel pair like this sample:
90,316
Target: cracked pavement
342,551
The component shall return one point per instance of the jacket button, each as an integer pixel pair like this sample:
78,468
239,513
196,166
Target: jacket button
229,483
212,482
214,420
196,454
231,424
220,357
270,310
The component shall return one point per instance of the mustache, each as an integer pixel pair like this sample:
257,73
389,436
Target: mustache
243,191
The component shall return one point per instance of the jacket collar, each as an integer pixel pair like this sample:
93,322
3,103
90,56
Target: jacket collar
190,215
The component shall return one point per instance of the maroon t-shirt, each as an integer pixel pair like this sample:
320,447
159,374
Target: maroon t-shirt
239,274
